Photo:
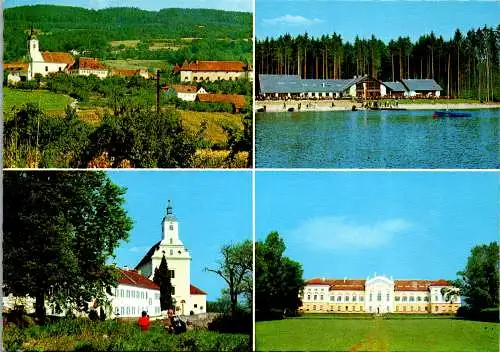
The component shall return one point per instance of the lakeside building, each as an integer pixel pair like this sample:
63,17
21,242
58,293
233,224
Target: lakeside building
366,87
136,292
200,71
379,294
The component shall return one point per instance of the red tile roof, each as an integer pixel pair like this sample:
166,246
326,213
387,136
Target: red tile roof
133,278
196,291
441,282
225,66
126,73
411,285
59,58
14,66
238,100
91,64
318,281
182,88
339,284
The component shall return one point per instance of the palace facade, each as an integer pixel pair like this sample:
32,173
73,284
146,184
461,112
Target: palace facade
379,294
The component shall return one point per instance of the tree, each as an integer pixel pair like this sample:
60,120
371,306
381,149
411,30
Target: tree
450,294
479,281
60,228
162,278
235,268
278,278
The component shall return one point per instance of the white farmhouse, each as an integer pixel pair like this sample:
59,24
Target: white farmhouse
187,92
91,66
199,71
188,298
46,62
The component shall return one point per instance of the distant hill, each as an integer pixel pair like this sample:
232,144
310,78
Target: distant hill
62,28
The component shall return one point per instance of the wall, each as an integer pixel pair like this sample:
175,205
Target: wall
130,301
87,72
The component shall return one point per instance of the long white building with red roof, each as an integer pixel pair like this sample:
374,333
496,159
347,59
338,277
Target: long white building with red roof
200,71
379,294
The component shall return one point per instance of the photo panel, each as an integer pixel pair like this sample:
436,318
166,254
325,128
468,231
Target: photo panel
376,260
376,84
127,260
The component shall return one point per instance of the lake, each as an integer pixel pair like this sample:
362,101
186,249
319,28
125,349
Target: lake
377,139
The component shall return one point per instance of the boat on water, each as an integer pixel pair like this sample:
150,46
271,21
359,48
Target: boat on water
451,114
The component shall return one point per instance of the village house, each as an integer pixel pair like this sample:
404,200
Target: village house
378,294
131,72
237,101
17,72
184,91
199,71
91,66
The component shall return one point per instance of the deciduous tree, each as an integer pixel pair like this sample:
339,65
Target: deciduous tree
60,228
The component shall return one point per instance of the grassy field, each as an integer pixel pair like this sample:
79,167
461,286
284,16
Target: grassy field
320,332
131,64
83,335
50,102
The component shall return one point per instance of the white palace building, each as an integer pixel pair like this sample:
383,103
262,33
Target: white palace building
379,294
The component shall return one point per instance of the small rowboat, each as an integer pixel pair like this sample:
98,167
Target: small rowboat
451,114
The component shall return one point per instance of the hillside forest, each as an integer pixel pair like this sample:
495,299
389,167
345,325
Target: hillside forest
170,34
466,65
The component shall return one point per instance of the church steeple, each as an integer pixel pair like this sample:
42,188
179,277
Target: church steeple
170,226
170,215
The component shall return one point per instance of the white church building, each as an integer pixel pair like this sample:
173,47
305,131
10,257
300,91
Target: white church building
188,298
46,62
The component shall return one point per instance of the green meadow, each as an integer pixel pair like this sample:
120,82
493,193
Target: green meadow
48,101
366,333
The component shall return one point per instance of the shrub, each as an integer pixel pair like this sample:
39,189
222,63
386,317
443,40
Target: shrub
240,323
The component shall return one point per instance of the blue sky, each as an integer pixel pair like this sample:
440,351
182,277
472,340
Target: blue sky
386,19
409,225
229,5
213,208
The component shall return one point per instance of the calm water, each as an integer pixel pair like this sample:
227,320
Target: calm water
377,139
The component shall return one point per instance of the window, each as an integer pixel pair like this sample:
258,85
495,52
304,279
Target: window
379,296
133,294
436,297
321,297
195,305
315,297
46,68
137,293
150,302
397,298
370,308
405,299
171,252
133,310
419,299
171,227
412,299
308,297
59,69
354,298
370,299
142,295
122,310
146,295
339,298
172,274
388,297
332,298
171,241
128,293
426,299
347,298
361,298
128,310
34,46
195,78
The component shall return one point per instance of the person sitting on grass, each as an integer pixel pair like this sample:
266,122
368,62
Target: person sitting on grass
144,321
174,323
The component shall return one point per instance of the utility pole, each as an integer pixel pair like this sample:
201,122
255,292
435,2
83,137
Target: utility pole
158,92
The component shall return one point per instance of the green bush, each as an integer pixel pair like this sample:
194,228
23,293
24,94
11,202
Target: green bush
240,323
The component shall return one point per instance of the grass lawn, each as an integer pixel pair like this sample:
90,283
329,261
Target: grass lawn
376,334
49,101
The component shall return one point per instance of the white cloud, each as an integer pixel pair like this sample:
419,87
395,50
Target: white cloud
292,20
334,233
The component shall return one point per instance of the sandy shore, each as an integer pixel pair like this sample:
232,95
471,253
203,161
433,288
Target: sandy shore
308,105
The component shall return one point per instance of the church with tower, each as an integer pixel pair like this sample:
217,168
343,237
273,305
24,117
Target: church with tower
187,297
